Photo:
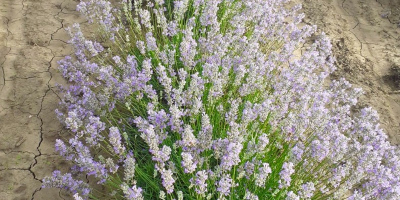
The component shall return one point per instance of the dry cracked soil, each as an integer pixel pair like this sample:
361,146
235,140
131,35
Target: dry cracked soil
364,33
32,40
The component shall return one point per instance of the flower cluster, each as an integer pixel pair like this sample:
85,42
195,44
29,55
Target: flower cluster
205,99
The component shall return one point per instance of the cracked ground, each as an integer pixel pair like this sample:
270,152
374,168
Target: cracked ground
32,40
365,37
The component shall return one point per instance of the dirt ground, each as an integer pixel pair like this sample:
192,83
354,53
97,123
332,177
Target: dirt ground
365,36
32,40
364,33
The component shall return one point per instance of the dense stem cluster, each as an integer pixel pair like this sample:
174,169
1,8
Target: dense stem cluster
205,99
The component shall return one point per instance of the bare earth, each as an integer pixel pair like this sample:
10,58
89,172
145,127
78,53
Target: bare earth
365,36
32,40
364,33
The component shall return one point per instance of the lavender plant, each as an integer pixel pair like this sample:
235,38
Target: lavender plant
205,99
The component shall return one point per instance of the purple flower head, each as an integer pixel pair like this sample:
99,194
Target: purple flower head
188,49
151,42
224,185
231,156
167,180
209,86
63,150
200,182
132,193
292,196
115,140
66,182
307,190
129,167
99,11
262,175
187,162
285,174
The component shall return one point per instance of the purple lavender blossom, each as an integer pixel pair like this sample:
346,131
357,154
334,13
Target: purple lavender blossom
132,193
217,83
151,42
285,174
224,185
200,182
250,196
292,196
67,182
262,175
188,49
307,190
187,162
231,156
63,150
85,162
129,167
115,140
101,11
167,180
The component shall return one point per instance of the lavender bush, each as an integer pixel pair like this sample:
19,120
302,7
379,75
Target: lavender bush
205,99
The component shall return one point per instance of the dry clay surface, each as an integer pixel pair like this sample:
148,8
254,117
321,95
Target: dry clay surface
365,36
32,40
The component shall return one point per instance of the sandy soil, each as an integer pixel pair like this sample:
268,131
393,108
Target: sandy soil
364,33
32,40
365,36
